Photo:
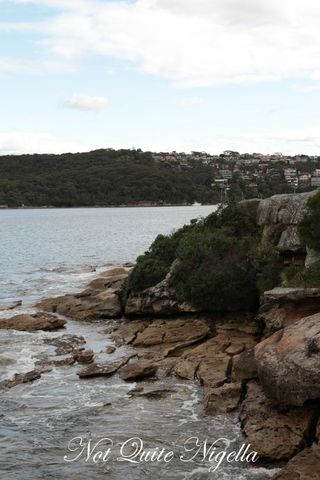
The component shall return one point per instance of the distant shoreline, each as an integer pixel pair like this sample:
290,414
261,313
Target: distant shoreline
147,205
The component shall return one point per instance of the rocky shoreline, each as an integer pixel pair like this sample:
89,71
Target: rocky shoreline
263,365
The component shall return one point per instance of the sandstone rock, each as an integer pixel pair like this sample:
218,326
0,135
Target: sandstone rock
291,294
66,344
101,370
304,466
159,300
276,315
110,350
157,394
186,369
101,299
244,366
290,240
21,378
10,306
289,362
172,331
287,209
273,434
313,257
138,371
66,360
85,356
213,372
279,216
222,399
128,331
90,307
32,323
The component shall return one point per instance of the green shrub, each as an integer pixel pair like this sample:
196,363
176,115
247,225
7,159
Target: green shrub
306,278
290,275
221,264
214,274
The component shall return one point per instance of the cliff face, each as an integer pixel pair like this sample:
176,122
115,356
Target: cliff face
279,216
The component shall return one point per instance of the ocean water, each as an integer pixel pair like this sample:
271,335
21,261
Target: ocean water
44,253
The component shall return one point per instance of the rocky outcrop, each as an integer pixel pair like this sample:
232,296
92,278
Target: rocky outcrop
103,369
32,323
279,216
138,370
223,399
244,366
313,257
289,362
276,435
103,298
283,306
304,466
212,360
159,300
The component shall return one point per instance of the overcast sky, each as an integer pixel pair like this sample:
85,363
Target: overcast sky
160,75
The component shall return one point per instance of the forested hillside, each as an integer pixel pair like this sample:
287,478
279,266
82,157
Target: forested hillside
101,177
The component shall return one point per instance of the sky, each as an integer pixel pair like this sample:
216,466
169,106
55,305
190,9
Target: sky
160,75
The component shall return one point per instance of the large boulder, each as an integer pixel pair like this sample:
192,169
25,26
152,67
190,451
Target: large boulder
304,466
279,216
32,323
275,435
289,362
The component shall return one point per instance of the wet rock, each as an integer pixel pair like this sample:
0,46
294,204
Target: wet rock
289,362
101,370
32,323
101,299
85,356
186,369
138,371
304,466
110,350
66,344
275,435
244,366
64,361
105,304
10,306
151,394
21,378
222,399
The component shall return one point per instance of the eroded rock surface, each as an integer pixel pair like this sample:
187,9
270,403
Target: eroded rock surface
289,362
32,323
304,466
101,299
275,435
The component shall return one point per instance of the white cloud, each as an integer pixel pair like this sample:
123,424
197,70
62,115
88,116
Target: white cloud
186,102
86,102
192,42
19,142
